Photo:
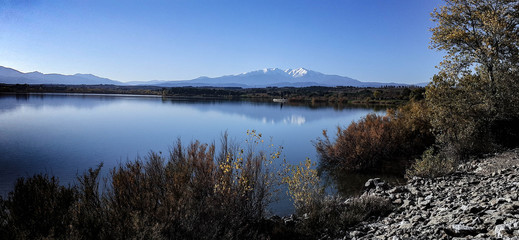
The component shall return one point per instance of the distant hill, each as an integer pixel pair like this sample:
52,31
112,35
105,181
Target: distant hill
275,77
268,77
11,76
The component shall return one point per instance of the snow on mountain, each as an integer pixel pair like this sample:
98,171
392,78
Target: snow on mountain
275,77
268,77
300,72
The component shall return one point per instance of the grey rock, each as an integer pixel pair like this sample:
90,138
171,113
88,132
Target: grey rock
376,184
459,230
477,221
429,197
398,189
501,231
354,234
497,201
405,224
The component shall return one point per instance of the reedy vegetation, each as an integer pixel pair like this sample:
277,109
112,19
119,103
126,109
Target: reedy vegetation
193,193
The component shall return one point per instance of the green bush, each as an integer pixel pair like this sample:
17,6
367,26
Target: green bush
431,165
5,231
460,115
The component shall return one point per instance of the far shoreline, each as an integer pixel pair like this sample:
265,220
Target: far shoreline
311,96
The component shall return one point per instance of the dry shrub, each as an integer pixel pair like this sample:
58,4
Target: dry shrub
193,193
38,207
378,143
363,207
358,147
89,215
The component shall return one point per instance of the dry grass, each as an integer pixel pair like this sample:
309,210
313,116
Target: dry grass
333,216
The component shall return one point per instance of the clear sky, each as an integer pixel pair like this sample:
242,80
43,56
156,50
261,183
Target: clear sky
369,40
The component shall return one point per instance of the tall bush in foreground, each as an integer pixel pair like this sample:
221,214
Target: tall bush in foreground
194,193
89,213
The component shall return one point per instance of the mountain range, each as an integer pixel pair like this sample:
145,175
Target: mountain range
268,77
12,76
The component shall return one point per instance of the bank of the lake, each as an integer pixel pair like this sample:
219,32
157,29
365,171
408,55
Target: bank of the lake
480,200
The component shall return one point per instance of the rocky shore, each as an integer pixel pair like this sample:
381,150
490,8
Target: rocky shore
478,201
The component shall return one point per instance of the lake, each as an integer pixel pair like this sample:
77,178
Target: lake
65,134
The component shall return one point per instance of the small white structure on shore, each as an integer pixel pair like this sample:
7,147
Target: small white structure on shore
280,100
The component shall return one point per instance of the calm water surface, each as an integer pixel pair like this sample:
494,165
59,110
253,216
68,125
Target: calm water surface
63,135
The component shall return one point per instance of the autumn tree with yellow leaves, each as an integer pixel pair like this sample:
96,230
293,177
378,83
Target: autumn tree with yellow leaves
473,98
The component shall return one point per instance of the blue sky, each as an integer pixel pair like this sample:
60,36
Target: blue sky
369,40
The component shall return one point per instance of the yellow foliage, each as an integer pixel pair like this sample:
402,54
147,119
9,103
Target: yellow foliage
303,183
240,170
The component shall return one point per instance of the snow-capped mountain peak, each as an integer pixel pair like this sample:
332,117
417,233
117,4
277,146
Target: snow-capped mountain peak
265,70
298,72
262,72
293,73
